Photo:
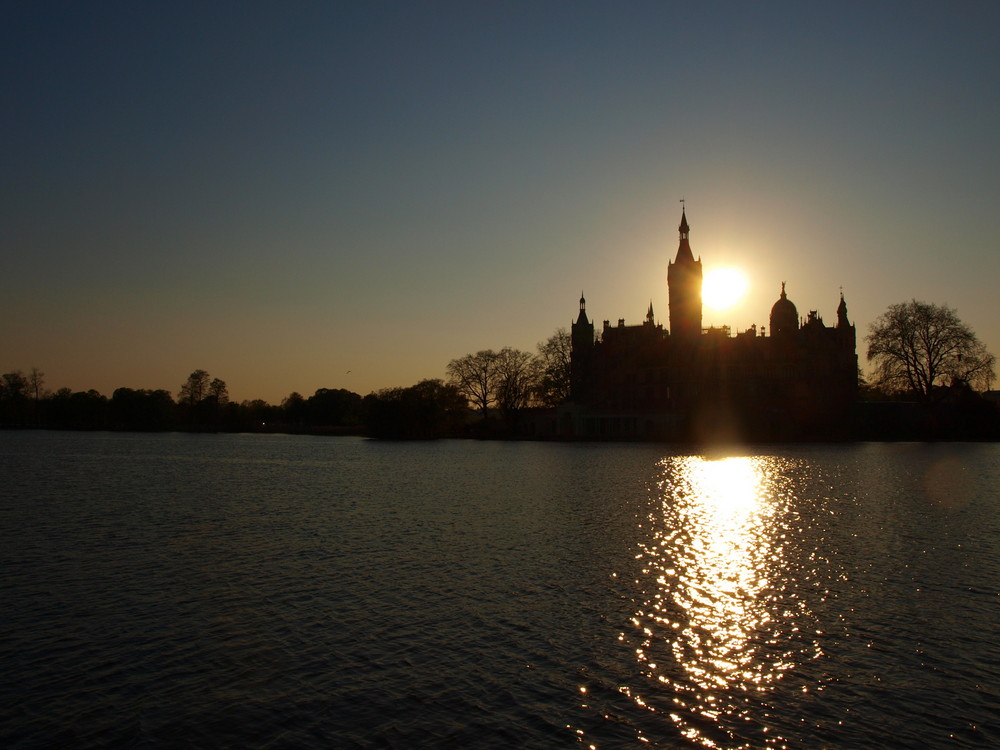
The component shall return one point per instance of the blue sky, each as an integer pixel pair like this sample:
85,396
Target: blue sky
350,195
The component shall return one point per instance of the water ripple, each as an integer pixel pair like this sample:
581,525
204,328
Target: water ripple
287,592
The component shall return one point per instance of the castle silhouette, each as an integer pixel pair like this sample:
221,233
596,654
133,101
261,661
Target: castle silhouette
795,380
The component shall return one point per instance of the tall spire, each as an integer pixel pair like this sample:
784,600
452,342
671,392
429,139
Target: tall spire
684,247
582,318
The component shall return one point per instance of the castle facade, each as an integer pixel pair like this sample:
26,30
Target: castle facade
797,380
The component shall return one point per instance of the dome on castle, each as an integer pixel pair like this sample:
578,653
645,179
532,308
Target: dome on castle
784,316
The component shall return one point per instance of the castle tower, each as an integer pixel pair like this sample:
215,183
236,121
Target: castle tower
684,289
581,354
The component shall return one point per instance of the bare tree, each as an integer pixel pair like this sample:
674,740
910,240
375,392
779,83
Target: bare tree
916,346
553,362
517,380
475,377
36,382
15,385
976,367
217,389
195,388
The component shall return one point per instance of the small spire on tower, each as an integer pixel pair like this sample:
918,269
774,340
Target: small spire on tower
582,317
684,253
842,321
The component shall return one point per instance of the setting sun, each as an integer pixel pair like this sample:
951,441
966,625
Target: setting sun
723,288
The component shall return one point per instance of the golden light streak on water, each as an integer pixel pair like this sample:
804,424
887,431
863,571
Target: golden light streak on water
709,630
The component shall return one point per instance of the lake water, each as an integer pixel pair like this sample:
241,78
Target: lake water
284,592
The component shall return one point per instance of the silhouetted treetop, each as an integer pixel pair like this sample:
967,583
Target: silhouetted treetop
916,346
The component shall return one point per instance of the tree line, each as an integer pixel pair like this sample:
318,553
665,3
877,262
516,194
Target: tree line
919,352
203,404
482,397
508,379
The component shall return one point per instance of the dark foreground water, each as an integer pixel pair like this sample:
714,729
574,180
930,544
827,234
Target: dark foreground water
283,592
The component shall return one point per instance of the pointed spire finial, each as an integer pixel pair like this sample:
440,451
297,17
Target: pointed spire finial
842,321
582,317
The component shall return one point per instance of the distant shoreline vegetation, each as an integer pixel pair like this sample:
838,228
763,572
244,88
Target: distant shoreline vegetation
141,410
484,396
505,394
428,410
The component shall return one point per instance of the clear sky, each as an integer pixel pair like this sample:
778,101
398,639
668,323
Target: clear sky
348,195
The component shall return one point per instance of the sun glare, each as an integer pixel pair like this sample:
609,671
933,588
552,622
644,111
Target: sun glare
723,288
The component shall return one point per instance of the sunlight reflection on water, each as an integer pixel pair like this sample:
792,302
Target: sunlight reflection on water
170,590
715,628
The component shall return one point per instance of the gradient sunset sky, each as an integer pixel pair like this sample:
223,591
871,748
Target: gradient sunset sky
348,195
